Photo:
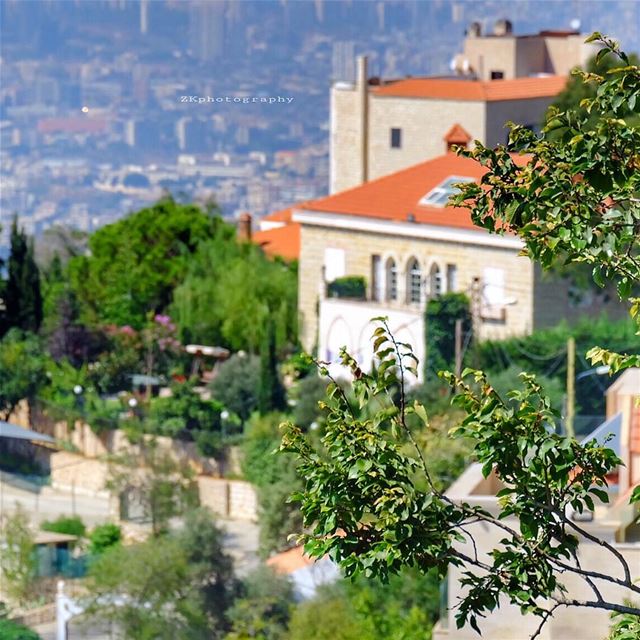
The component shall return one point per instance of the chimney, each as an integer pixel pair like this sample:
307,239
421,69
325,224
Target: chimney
363,98
475,30
503,27
244,227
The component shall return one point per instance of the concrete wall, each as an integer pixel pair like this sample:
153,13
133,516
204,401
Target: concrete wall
424,124
234,499
526,112
491,54
359,246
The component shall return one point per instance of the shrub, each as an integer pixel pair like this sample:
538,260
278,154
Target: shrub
348,287
103,537
10,630
70,525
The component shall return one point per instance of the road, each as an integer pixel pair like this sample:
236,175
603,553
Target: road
46,503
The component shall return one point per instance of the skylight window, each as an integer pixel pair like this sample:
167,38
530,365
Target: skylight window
439,196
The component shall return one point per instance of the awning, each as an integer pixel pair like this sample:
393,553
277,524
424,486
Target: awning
8,430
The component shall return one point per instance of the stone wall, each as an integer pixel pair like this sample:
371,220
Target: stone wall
233,499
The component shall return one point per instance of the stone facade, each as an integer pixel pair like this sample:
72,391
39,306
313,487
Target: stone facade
423,122
469,260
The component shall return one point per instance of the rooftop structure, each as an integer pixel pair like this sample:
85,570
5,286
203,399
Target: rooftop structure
379,125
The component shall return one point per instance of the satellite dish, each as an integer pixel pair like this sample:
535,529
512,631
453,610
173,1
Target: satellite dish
575,24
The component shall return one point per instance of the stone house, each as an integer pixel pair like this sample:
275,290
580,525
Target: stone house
398,234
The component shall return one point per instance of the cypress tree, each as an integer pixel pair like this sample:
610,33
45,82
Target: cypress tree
23,296
271,394
3,296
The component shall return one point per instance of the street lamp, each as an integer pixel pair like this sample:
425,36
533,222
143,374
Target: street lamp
224,416
596,371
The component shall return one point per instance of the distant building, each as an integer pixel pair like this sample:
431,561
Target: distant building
380,126
305,573
206,29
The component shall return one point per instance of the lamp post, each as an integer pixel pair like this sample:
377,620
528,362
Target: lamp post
224,416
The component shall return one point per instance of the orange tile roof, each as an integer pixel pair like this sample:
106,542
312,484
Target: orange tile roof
396,196
280,241
479,90
284,215
457,135
289,561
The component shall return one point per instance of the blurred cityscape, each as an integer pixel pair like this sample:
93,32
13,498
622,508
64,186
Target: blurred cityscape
106,105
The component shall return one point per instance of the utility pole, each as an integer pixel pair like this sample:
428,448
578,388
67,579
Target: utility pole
458,347
571,388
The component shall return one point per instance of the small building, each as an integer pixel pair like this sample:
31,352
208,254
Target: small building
55,557
305,573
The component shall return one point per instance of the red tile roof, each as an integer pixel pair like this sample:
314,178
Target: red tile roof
479,90
396,196
280,241
289,561
457,135
284,215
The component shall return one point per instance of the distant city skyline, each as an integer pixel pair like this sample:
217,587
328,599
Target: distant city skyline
91,119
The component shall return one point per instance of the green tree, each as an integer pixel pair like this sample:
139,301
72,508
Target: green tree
440,322
23,369
135,263
22,295
328,617
230,292
376,509
307,393
203,543
274,477
178,585
262,608
580,88
17,556
183,414
236,384
271,393
148,591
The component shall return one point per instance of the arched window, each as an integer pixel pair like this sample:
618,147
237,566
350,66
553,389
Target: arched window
392,280
435,281
414,281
